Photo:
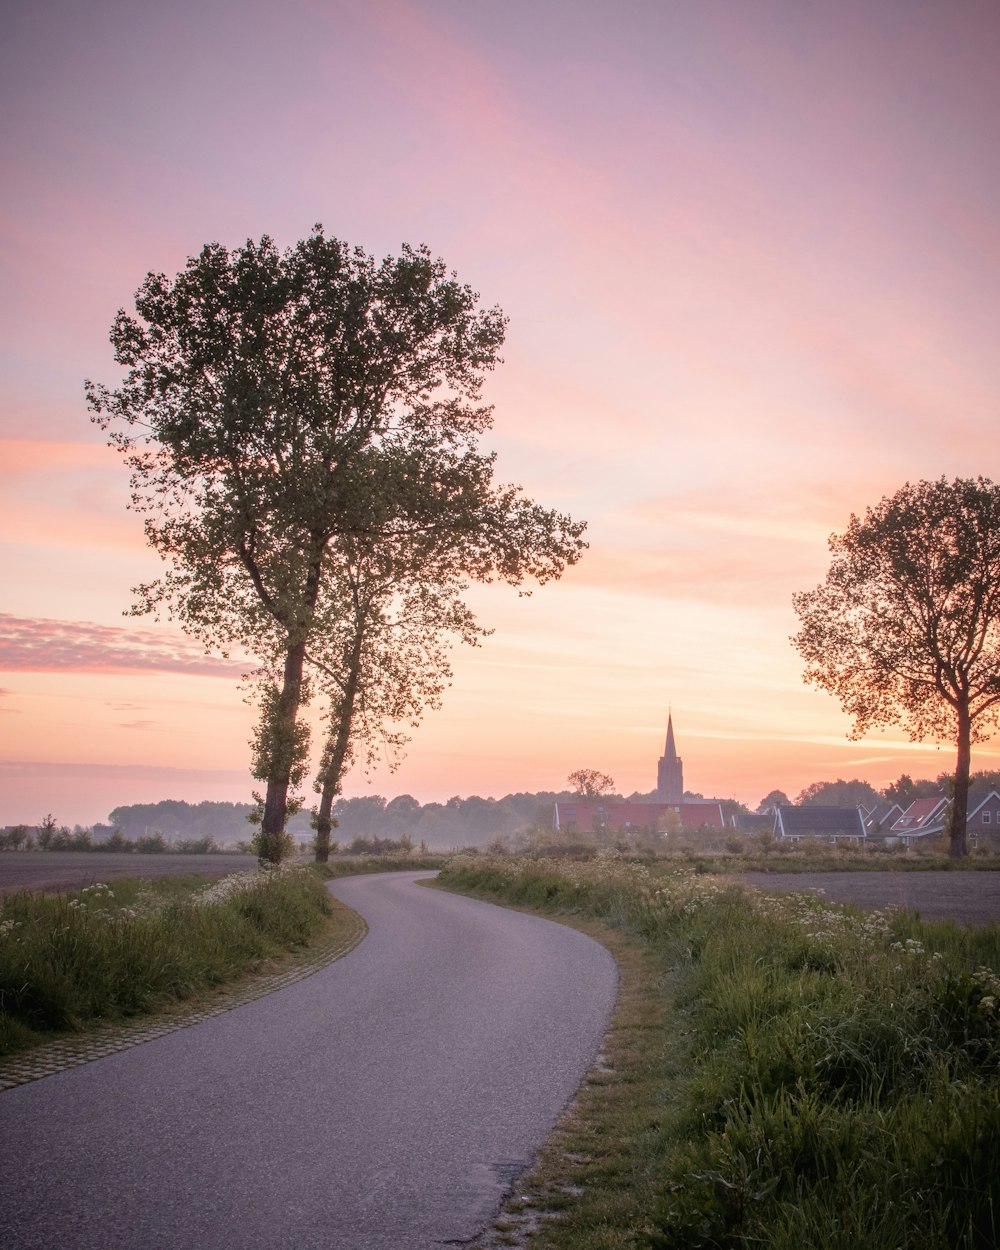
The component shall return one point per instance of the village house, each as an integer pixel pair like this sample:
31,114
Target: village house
880,818
927,819
816,820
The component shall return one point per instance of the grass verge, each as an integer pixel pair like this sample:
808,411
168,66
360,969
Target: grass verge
72,963
781,1073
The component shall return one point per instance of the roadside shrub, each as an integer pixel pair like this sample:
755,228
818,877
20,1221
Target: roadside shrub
195,846
103,953
151,844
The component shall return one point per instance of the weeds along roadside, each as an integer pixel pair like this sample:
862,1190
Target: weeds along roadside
79,960
784,1072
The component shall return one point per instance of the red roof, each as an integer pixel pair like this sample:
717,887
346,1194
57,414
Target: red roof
616,815
920,813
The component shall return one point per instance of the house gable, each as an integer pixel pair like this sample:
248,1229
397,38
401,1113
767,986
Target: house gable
983,822
923,818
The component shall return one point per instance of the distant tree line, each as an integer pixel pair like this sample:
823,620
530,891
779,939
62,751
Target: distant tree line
371,823
472,821
51,836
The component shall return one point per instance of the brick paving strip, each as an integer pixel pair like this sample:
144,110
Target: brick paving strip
108,1039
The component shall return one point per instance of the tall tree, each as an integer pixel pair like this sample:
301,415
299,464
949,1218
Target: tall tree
906,627
275,403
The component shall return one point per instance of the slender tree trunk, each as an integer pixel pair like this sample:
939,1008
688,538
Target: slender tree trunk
283,728
283,731
957,841
331,788
338,747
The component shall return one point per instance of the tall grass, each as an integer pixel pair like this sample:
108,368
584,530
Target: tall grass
107,952
842,1077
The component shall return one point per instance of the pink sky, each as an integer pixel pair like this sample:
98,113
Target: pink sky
750,255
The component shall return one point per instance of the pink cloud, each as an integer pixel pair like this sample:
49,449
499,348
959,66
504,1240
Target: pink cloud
40,645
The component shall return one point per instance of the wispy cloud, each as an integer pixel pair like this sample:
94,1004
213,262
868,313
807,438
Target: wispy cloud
42,646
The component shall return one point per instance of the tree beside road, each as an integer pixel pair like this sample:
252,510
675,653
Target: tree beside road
282,411
906,627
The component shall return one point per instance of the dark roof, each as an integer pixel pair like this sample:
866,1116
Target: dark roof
879,818
819,819
754,822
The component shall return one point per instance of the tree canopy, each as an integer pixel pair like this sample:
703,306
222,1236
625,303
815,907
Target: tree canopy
905,790
839,793
906,627
591,783
771,800
278,405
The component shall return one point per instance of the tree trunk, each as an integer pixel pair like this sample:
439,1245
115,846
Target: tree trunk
331,788
957,841
276,797
338,746
275,816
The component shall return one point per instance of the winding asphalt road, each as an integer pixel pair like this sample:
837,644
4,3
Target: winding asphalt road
386,1103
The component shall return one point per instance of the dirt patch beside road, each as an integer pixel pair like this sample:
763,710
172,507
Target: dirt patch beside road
55,871
970,898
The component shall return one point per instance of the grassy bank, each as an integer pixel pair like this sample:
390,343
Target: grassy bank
782,1073
71,961
741,854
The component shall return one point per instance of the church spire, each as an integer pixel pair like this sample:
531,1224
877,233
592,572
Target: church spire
670,770
670,750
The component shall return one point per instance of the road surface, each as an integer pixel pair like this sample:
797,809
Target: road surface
386,1103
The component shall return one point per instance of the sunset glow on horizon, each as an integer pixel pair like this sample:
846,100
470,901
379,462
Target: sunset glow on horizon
751,260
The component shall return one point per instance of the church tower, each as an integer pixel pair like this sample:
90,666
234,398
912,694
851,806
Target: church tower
670,770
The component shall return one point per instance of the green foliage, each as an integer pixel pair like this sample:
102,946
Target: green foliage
302,432
841,1079
102,953
15,838
381,846
195,846
151,844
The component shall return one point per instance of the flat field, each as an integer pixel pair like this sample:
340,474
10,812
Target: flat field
53,871
970,898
